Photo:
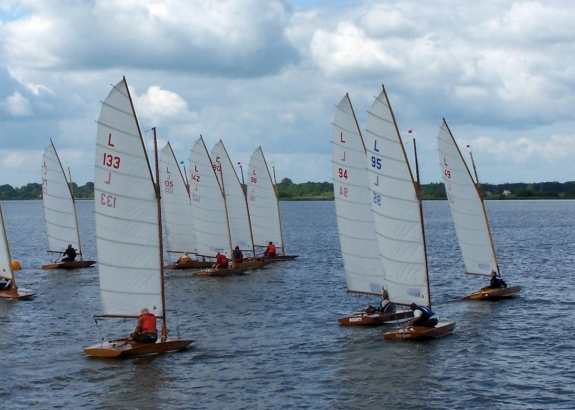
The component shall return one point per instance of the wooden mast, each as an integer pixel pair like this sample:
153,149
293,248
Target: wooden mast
278,207
244,191
223,191
13,278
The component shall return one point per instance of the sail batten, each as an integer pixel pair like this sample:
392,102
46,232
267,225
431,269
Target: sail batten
126,213
396,208
467,208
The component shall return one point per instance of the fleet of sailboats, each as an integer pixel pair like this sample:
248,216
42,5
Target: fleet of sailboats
60,212
359,247
469,216
128,227
398,217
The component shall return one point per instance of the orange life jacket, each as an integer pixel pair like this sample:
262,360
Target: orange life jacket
148,322
271,249
222,260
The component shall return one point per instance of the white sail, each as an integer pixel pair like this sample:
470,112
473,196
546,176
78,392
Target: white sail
176,204
208,208
359,247
59,207
467,208
5,260
396,207
237,208
263,203
126,213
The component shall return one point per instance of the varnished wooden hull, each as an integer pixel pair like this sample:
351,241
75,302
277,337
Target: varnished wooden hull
69,265
373,319
493,294
251,264
190,265
280,258
420,332
118,348
21,294
221,272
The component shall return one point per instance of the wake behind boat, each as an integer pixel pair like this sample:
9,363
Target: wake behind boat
470,218
128,222
60,212
398,216
356,227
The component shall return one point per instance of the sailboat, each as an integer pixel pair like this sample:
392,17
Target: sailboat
469,216
209,210
264,208
128,227
7,271
236,208
398,216
180,234
356,227
60,212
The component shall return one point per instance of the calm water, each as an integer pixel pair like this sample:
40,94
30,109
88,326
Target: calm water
270,339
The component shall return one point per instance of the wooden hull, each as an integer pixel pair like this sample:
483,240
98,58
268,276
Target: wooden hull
279,258
251,264
373,319
69,265
420,332
221,272
190,265
117,348
493,294
21,294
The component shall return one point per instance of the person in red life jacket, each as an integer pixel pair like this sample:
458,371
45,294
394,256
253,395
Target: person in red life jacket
422,316
270,250
237,255
145,330
221,261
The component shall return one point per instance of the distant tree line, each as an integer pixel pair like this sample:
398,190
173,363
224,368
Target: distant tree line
318,191
34,191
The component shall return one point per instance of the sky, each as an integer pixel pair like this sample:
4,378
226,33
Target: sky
270,73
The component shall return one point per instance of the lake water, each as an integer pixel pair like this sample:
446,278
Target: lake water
270,339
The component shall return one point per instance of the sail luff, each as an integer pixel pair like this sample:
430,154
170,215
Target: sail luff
75,211
396,208
467,207
356,227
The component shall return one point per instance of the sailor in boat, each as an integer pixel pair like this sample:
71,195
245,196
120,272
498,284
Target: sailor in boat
237,255
270,250
221,261
5,283
496,281
385,307
422,316
145,330
184,259
69,253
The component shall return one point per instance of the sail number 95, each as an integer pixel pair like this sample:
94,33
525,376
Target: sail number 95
376,163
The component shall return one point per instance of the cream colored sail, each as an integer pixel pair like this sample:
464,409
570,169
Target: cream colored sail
396,207
126,213
176,204
5,260
237,208
59,205
356,227
263,203
208,206
467,208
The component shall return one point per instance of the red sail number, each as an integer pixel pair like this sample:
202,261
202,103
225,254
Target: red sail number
111,161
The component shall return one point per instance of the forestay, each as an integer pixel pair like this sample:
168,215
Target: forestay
236,205
176,205
467,208
59,207
396,207
208,207
359,248
263,203
126,213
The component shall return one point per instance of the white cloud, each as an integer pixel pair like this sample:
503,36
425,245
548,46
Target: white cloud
17,105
